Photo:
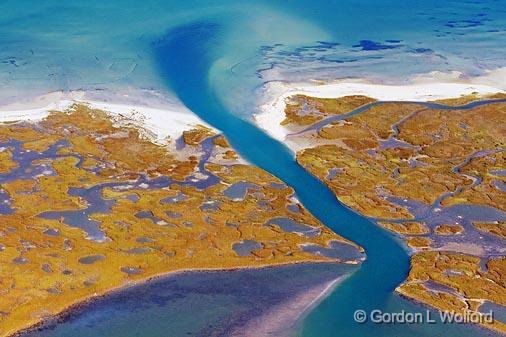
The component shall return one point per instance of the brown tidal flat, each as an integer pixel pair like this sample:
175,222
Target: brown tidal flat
304,110
6,162
470,285
95,207
465,99
498,228
433,176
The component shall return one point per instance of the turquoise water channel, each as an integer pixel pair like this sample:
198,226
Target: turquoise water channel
214,57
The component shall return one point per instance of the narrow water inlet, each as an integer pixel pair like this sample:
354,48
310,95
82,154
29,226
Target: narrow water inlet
223,61
192,54
186,57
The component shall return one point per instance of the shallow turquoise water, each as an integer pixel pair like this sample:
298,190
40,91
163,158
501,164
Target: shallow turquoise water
214,56
371,287
52,45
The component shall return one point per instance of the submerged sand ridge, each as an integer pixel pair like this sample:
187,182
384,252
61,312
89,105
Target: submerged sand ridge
90,204
429,171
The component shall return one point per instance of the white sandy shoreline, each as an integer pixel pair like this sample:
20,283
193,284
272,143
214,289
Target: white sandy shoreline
161,123
163,119
424,88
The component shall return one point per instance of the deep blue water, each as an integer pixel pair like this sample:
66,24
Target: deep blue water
214,57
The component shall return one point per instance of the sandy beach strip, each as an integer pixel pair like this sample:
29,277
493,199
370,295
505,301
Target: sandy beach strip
430,87
159,123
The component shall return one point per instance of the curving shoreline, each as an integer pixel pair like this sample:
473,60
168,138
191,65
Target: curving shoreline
272,112
283,320
124,222
212,60
159,120
76,308
371,145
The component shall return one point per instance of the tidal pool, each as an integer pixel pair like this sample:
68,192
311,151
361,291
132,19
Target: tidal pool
244,248
237,191
292,226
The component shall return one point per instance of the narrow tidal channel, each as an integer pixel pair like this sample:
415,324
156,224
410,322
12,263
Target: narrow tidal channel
193,49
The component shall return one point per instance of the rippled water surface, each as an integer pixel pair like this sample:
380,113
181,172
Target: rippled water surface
213,57
53,45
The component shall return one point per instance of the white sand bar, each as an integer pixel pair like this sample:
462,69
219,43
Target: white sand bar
159,124
272,113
